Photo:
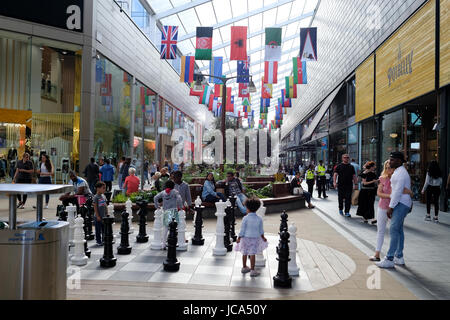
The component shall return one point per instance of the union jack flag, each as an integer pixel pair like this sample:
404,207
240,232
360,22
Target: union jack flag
169,42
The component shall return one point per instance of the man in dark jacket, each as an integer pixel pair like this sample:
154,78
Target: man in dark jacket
91,172
233,186
124,170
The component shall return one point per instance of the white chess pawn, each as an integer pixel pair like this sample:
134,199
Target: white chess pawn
79,258
71,211
260,261
129,210
157,243
198,202
293,269
219,249
182,245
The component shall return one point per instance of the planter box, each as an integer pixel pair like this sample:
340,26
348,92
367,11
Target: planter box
260,179
281,190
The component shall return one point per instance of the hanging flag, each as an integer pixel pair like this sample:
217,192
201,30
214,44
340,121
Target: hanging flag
203,47
265,102
211,101
229,107
266,89
142,96
215,69
308,44
299,71
187,69
215,105
285,102
270,71
273,44
105,87
243,90
204,98
218,90
243,70
100,71
247,101
169,35
195,93
238,43
291,88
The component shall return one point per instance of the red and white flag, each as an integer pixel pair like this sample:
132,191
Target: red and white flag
270,71
243,90
238,43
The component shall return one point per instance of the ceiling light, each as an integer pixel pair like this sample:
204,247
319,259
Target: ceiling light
64,52
393,135
41,48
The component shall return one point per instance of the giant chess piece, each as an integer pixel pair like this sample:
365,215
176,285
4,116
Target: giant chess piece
282,279
171,264
61,213
182,245
284,219
226,239
260,261
89,219
79,258
233,217
108,197
293,269
219,249
124,247
142,236
158,228
71,211
129,210
108,259
198,240
111,214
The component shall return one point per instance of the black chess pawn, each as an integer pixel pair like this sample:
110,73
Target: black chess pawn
171,264
108,195
108,259
284,220
233,217
61,212
282,279
142,236
124,247
226,220
198,240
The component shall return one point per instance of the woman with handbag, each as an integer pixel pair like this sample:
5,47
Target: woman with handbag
366,199
296,189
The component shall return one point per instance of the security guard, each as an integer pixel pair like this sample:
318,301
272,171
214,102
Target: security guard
321,179
310,177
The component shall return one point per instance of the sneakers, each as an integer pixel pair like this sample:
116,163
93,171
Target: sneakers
436,220
46,206
399,261
341,212
254,273
348,215
427,217
245,270
386,263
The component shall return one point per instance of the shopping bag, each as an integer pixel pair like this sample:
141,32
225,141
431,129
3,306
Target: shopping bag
355,196
298,190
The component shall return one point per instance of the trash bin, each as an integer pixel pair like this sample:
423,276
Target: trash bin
35,256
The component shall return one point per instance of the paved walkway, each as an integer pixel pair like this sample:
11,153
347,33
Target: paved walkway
427,270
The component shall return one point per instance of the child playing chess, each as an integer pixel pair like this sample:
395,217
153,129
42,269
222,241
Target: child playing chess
171,203
251,240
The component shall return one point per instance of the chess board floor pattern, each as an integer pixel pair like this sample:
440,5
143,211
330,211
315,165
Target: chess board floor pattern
320,266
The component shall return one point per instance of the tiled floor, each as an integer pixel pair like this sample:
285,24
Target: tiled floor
320,266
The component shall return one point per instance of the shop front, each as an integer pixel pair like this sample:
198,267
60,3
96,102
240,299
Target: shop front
396,100
40,94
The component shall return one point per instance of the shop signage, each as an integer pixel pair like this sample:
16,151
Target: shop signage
405,63
403,67
65,14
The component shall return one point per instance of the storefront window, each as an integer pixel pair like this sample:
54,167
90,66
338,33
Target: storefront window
40,93
369,141
392,134
353,141
112,111
338,145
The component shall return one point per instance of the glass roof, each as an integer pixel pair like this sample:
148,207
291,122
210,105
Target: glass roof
257,15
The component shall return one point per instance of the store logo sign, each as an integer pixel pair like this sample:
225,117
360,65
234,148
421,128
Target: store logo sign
402,68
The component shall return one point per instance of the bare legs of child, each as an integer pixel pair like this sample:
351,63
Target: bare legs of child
245,269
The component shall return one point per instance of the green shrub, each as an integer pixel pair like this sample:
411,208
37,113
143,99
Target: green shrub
120,198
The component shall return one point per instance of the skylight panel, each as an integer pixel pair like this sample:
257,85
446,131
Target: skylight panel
255,22
239,7
206,14
226,33
269,18
222,9
189,20
159,6
283,12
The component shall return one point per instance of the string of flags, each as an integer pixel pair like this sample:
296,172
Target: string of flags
211,96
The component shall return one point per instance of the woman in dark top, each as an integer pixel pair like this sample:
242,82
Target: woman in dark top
367,193
23,175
